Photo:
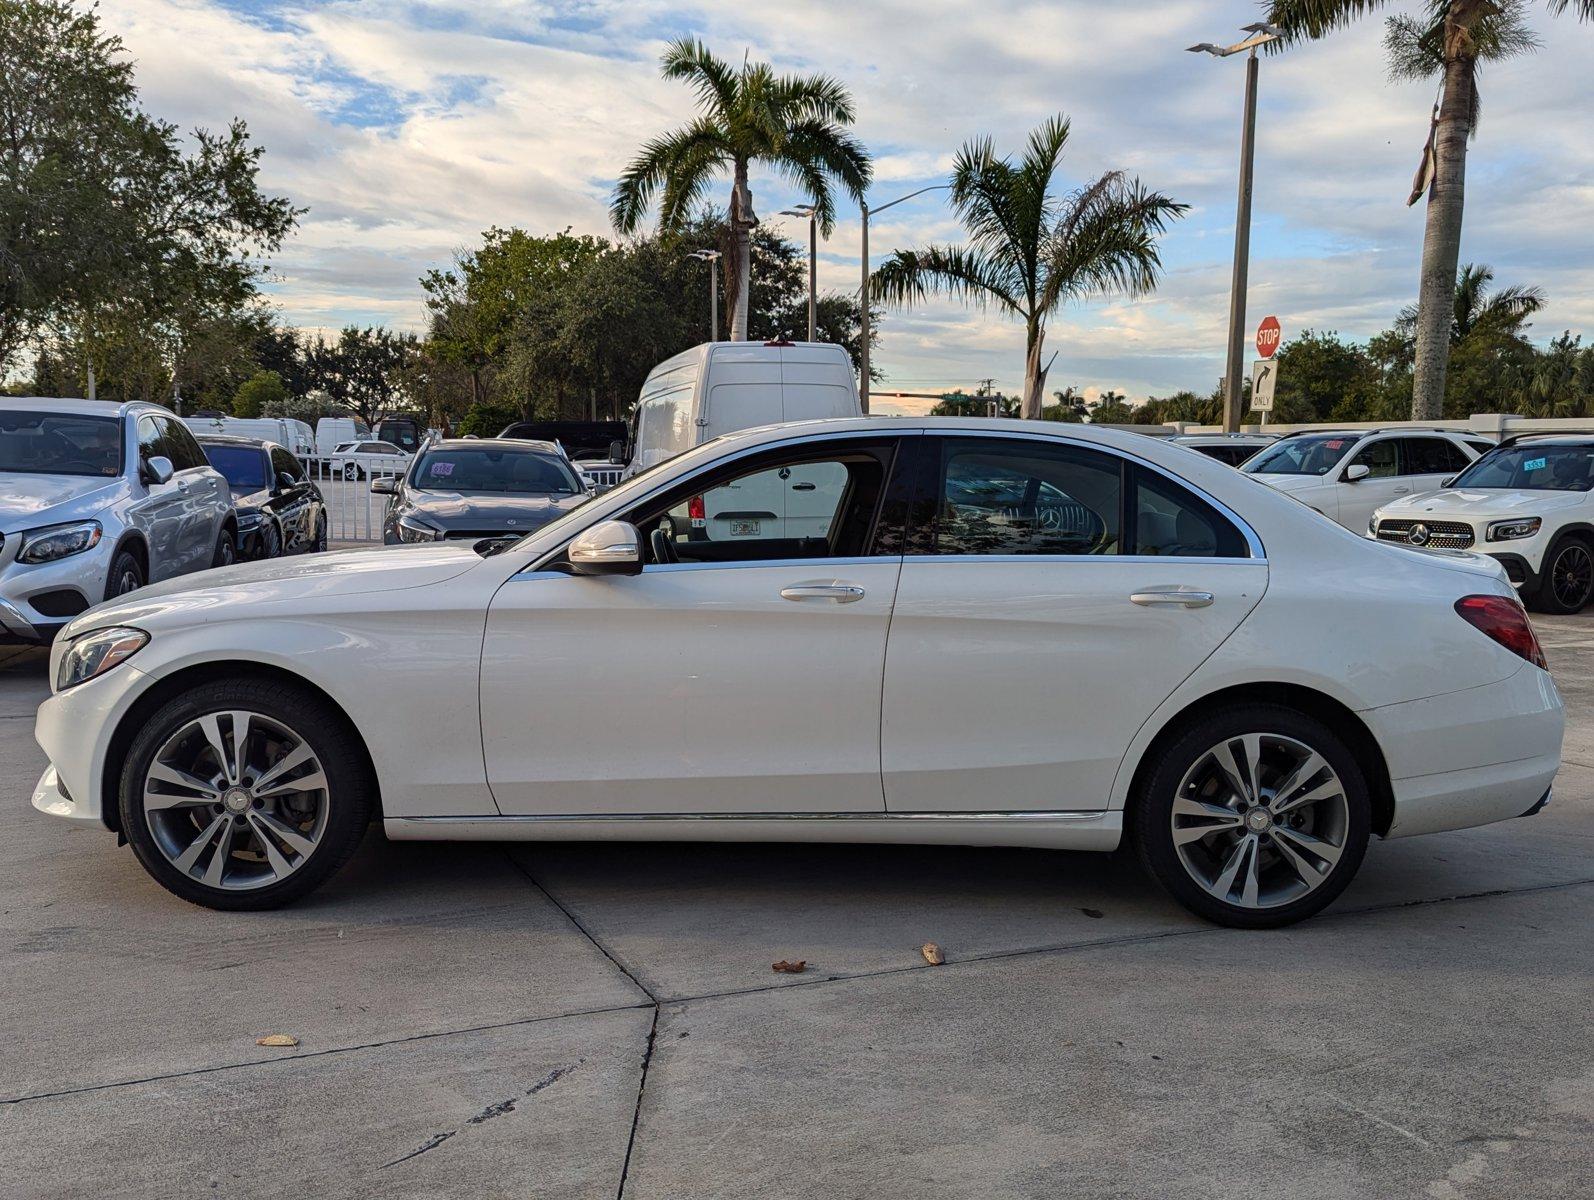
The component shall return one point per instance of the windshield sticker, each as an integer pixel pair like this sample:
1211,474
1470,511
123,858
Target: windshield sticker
1336,444
1534,464
442,468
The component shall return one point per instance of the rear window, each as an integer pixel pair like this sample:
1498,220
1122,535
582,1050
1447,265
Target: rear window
241,466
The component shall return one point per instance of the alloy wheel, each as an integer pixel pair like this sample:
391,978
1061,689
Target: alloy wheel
127,581
1572,576
236,800
1260,820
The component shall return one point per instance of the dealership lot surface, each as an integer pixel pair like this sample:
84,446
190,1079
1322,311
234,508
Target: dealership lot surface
482,1021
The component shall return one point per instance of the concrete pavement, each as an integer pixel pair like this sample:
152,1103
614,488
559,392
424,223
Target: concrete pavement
589,1020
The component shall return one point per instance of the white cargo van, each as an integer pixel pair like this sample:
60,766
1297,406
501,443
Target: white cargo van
290,434
721,387
332,432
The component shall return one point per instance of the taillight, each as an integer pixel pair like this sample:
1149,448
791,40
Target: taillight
1504,620
696,511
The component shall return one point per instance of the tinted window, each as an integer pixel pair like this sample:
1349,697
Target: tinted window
243,467
1480,446
151,444
1309,454
494,467
1430,456
1553,468
1026,498
283,463
182,448
1379,458
1173,521
47,443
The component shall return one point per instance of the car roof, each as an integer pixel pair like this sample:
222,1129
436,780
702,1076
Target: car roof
78,407
520,443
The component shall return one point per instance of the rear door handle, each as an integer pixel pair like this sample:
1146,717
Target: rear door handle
838,593
1184,598
803,487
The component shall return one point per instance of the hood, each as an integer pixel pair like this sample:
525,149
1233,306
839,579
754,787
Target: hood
1289,483
490,511
30,500
1483,502
301,581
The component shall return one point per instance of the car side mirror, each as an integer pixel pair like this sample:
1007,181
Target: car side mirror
1357,471
158,470
617,452
285,481
385,485
1447,481
608,548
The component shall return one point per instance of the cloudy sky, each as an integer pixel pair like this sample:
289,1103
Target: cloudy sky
408,126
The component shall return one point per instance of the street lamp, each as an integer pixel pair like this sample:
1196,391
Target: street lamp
711,257
1261,34
863,306
812,213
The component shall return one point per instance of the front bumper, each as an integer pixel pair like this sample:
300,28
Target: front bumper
74,728
1471,758
37,599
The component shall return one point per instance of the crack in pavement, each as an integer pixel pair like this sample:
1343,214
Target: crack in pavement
502,1108
654,1004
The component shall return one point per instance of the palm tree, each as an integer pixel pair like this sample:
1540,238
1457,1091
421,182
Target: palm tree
1447,39
1475,308
794,124
1029,252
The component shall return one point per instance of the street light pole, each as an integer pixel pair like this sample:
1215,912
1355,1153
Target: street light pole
863,292
1233,375
812,213
711,257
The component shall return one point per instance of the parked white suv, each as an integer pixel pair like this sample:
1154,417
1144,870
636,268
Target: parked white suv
97,499
1528,504
1349,475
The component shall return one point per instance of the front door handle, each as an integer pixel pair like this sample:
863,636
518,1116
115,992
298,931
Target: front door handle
838,593
1180,596
1401,491
803,487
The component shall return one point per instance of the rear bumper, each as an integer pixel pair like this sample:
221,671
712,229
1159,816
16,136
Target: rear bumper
1473,757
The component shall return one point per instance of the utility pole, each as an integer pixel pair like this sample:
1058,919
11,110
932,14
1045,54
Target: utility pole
863,292
1261,34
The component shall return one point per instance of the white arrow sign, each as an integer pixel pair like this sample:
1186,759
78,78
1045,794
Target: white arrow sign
1264,375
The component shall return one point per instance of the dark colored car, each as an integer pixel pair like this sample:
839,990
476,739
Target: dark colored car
279,507
475,488
583,441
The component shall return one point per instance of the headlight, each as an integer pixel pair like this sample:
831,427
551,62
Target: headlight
59,541
1372,526
1510,531
249,519
95,653
412,530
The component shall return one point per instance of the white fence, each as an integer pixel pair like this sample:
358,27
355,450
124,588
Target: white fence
1491,425
354,513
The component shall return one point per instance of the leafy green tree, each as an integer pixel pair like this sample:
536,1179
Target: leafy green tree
1112,408
364,370
260,389
796,125
1070,407
961,404
1447,39
1029,251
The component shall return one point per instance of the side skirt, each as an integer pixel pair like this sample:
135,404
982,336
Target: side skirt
1044,830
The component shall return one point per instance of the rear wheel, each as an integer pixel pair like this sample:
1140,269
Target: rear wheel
1567,582
320,542
245,794
1257,816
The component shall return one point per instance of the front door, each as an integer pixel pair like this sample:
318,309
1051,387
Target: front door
738,673
1052,597
1382,484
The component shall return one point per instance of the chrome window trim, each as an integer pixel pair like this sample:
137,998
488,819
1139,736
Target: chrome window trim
1252,541
873,815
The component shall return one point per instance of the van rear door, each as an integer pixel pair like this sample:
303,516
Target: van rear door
817,383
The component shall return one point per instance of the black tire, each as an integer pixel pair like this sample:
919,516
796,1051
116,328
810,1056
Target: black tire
270,540
320,542
126,575
350,794
1566,583
226,551
1152,818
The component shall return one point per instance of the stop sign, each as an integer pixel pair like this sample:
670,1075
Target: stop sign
1268,335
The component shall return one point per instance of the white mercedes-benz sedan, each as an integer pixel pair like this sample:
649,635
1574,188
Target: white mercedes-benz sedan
996,633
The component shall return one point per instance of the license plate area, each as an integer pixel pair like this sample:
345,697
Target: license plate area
745,527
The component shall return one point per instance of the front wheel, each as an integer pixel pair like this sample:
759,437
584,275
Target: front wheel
1567,582
1257,816
245,794
226,551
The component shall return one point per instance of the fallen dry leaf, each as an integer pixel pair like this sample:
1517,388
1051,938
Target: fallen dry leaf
277,1039
791,968
932,954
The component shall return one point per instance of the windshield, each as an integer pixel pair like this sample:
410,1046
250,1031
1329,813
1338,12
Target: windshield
490,468
48,443
244,467
1314,455
1532,468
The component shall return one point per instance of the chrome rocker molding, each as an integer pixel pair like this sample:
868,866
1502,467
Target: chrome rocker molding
1044,830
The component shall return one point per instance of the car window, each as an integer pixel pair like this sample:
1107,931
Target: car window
284,463
243,467
1482,447
1430,456
55,443
810,508
1379,457
1170,520
1533,467
1026,498
183,449
151,442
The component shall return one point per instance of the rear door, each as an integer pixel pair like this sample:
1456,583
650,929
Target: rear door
1427,460
1053,595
